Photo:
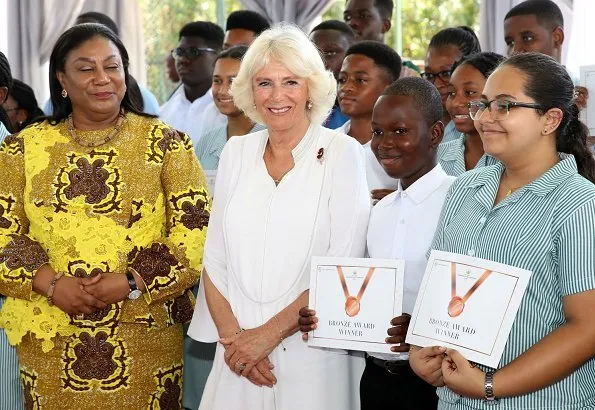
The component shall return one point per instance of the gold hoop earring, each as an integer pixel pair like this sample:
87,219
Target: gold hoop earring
64,93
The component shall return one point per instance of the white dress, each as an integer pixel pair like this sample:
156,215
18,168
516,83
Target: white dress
260,240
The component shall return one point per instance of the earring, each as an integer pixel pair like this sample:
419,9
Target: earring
309,105
254,106
64,93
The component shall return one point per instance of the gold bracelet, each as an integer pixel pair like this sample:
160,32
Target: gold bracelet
50,294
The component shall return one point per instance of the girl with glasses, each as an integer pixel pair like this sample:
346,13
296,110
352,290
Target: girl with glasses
535,209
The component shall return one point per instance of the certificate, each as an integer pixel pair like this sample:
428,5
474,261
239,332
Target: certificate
211,175
468,304
355,300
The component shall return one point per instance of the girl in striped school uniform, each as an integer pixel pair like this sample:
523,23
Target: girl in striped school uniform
535,209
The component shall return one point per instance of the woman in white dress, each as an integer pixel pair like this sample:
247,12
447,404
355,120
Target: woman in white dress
282,195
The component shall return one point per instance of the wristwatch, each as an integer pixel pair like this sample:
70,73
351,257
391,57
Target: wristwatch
135,292
489,388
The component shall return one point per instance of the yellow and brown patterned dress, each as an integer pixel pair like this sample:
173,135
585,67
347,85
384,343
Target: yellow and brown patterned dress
137,201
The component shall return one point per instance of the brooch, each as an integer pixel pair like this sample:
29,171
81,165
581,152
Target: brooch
320,155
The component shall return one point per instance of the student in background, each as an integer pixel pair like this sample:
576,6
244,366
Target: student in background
333,38
538,26
369,67
195,55
446,48
465,85
242,28
369,19
21,106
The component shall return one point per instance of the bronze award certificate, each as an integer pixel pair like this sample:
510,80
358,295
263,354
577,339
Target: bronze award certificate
355,300
468,304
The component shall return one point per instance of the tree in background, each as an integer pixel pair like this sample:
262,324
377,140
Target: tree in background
421,20
162,21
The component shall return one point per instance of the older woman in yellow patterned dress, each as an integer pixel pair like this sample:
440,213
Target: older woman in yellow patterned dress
103,213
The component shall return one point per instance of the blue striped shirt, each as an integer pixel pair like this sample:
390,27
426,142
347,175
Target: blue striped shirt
450,132
451,155
546,227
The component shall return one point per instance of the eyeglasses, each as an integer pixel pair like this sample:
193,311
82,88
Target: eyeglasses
191,52
498,108
443,75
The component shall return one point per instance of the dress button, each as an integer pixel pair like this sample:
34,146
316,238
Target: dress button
404,195
482,220
471,252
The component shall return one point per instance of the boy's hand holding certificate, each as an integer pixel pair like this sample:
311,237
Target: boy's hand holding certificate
355,300
468,304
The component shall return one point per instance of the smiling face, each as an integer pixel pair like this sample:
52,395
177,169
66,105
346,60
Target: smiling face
361,82
465,85
524,34
521,131
402,140
226,69
94,77
280,97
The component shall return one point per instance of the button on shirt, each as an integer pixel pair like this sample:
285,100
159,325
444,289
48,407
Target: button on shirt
451,155
546,227
375,175
402,226
193,118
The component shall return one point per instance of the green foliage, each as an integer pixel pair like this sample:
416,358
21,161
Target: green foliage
421,19
162,21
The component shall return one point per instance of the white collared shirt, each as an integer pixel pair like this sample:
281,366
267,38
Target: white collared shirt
375,175
193,118
402,226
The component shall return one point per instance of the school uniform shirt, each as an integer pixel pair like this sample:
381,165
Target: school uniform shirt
3,132
375,175
402,226
450,132
193,118
545,227
451,155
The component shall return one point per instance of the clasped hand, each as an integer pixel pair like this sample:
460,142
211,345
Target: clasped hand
439,366
246,354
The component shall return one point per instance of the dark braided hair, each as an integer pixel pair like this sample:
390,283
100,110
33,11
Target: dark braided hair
463,37
548,83
5,74
485,62
68,41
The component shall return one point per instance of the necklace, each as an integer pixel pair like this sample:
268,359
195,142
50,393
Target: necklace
97,143
457,303
352,303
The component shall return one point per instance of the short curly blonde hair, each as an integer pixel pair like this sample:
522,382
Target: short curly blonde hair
288,44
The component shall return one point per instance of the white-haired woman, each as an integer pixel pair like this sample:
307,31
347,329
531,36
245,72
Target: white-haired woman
283,195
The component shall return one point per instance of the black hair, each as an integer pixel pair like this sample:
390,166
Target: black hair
99,18
69,40
463,37
236,53
25,98
384,57
385,8
548,83
211,33
5,73
426,98
485,62
336,25
547,12
247,20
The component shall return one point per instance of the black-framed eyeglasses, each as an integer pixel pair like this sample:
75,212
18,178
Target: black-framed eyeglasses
7,110
499,108
443,75
191,52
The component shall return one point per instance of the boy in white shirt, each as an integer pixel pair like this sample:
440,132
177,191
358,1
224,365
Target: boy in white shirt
407,130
